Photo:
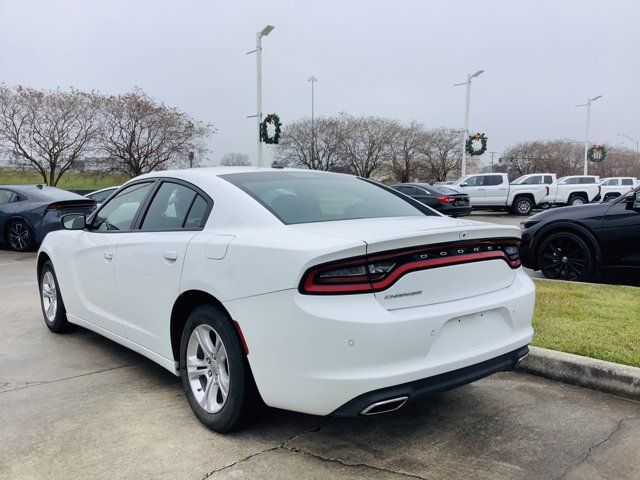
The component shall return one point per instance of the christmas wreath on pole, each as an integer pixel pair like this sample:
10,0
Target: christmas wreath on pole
270,129
476,144
596,153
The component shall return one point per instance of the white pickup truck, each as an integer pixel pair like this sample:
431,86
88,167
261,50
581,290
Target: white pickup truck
573,190
493,191
613,187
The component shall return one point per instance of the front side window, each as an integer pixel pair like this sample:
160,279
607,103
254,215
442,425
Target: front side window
7,196
120,212
171,206
474,181
304,197
535,180
568,180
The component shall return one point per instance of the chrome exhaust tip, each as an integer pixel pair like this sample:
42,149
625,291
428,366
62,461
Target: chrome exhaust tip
385,406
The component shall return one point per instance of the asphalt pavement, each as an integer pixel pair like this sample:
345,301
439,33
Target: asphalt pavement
78,406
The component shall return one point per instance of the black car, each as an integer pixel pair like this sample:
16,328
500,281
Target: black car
29,212
580,242
441,198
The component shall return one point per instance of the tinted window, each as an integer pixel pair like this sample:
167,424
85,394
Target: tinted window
119,212
585,180
627,181
493,180
548,179
7,196
196,217
169,207
301,197
535,180
101,196
474,181
406,190
568,181
444,190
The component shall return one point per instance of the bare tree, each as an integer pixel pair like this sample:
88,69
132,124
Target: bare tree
442,153
141,135
406,152
317,150
560,156
366,143
237,159
48,130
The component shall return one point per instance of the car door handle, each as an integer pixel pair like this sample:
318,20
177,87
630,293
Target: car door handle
481,189
502,189
168,255
108,256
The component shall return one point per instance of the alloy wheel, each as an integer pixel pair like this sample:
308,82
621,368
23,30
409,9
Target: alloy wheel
49,296
208,368
577,201
19,236
523,207
565,258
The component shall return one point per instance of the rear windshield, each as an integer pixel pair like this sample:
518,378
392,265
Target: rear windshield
304,197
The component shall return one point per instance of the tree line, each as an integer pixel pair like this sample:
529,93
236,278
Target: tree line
404,152
49,131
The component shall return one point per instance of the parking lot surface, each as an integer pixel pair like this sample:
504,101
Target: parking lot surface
79,406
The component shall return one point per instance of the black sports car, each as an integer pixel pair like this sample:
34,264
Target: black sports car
29,212
441,198
578,243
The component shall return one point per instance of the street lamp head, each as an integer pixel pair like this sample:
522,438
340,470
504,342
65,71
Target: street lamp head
266,30
595,98
477,74
312,79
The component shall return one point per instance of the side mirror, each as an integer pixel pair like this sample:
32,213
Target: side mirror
463,184
74,221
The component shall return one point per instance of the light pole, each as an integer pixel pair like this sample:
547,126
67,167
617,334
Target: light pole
586,143
258,51
313,80
465,134
633,140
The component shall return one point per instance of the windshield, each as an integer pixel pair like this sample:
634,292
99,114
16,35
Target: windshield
304,197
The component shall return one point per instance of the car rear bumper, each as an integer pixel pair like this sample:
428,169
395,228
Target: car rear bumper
425,387
458,211
315,354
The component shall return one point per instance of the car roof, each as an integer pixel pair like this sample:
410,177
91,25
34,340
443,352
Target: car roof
43,192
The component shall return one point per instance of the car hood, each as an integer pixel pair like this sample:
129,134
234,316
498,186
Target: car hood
571,213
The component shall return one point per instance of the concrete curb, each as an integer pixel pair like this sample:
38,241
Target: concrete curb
586,372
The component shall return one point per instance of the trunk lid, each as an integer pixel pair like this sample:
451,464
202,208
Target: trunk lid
448,239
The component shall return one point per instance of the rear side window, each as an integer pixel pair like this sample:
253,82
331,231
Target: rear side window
174,207
587,180
627,181
101,196
120,212
490,180
548,179
304,197
7,196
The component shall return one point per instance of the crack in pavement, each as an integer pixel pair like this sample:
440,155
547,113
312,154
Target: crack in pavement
356,465
594,446
283,446
47,382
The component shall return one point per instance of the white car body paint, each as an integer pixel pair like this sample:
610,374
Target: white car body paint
308,353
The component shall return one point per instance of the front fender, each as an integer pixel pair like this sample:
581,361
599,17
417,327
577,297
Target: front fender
563,225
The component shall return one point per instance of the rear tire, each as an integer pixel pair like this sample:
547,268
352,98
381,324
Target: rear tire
576,200
566,256
20,236
53,311
215,373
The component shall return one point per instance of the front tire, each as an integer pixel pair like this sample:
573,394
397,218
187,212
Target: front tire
215,372
523,206
20,236
53,311
566,256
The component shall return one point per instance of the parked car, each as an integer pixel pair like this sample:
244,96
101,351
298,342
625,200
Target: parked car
309,291
101,195
29,212
613,187
443,199
574,190
493,191
578,243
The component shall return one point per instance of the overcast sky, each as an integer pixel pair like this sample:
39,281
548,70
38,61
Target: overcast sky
390,58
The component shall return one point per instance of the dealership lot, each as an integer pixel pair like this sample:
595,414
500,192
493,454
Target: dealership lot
76,405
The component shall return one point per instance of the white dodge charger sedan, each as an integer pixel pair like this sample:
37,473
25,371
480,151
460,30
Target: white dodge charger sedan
314,292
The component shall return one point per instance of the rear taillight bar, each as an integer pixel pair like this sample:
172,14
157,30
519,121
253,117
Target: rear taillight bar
378,272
